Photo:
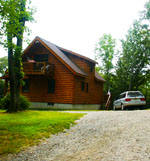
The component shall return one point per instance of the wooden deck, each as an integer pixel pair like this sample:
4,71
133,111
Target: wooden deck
38,68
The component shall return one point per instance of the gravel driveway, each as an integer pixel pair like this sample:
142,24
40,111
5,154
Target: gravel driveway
98,136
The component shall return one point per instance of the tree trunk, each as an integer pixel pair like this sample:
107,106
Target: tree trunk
18,53
18,67
12,106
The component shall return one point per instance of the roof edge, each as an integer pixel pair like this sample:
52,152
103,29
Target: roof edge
76,54
69,67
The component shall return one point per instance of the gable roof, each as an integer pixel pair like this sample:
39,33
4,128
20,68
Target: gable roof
58,52
60,55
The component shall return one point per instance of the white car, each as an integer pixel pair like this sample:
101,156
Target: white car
129,98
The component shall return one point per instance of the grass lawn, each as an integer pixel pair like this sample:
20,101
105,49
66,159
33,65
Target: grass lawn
23,129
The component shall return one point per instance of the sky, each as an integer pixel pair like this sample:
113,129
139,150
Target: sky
77,25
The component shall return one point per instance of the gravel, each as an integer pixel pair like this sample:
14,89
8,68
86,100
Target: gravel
98,136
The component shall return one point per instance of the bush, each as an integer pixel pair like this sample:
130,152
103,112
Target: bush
24,103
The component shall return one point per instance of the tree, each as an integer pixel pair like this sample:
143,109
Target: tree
104,52
145,14
13,15
132,68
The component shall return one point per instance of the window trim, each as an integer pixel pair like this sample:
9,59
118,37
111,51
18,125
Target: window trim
40,55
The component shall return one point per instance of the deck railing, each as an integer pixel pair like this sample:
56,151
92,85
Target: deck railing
38,68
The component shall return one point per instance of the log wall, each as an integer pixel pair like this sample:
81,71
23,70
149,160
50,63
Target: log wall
67,85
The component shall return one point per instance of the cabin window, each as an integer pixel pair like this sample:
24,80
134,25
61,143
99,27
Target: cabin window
82,86
51,85
26,86
41,57
87,87
91,67
50,104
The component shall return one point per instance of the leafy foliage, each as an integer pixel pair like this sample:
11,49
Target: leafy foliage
3,67
1,88
13,15
3,64
132,69
6,102
104,52
145,14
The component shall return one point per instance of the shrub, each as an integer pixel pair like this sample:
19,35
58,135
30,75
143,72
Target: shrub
24,103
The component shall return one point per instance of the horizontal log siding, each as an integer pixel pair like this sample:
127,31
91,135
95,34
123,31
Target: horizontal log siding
94,94
95,88
64,83
82,63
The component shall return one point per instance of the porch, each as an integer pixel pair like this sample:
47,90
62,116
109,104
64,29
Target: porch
38,68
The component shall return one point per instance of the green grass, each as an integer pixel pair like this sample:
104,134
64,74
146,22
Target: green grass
23,129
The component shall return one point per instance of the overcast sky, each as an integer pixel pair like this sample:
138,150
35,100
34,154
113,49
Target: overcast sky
78,24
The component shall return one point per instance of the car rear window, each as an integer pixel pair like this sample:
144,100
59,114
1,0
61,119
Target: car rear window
134,94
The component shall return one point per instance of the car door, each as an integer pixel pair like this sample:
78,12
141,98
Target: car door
117,102
120,100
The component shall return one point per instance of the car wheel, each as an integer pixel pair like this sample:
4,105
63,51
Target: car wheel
114,107
122,107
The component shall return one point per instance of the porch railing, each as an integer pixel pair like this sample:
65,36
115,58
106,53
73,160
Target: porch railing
41,68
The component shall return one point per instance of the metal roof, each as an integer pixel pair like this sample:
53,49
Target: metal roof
62,56
98,77
78,55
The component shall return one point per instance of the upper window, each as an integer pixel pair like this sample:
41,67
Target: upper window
26,86
91,67
41,57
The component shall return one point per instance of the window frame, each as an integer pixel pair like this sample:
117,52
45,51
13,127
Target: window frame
41,57
91,68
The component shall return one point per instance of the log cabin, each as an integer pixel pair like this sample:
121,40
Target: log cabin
58,78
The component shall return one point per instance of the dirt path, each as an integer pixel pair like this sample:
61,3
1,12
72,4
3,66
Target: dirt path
98,136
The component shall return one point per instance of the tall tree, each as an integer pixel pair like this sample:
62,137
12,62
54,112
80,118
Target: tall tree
146,12
104,52
13,15
132,70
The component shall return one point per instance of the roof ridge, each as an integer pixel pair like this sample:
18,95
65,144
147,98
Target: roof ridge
72,52
76,54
